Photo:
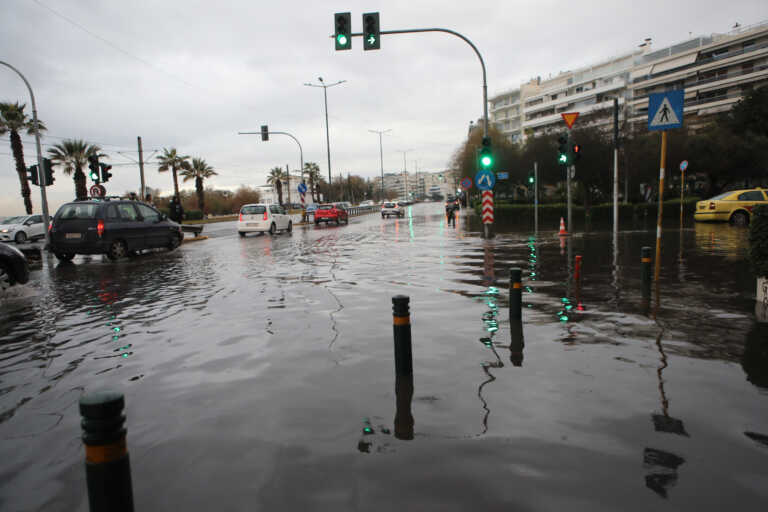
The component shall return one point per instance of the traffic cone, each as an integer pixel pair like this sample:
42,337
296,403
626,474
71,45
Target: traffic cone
562,232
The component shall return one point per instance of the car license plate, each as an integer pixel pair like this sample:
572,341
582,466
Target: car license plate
251,224
69,236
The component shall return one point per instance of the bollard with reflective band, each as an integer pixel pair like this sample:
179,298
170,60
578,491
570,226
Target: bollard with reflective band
515,293
107,468
645,265
401,326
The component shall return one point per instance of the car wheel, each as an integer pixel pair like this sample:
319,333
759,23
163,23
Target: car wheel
20,237
174,242
290,226
740,219
64,256
241,233
272,229
6,278
117,250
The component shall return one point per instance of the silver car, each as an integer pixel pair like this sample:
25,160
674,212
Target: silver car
22,228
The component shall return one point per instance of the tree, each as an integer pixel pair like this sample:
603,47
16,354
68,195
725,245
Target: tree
171,160
199,171
13,120
275,178
312,171
750,113
72,155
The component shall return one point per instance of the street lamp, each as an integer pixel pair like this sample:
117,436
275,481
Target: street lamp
381,156
327,136
405,169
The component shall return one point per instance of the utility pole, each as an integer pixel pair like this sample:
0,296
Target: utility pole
381,157
288,174
536,197
568,170
615,165
405,171
142,193
327,134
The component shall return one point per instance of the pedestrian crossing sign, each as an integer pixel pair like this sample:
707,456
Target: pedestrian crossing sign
665,110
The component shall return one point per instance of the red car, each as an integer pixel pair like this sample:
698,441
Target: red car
331,213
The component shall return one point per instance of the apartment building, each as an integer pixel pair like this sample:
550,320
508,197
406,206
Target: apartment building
535,106
716,72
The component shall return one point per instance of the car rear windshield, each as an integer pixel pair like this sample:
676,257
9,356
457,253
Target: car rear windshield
253,210
325,207
719,196
389,205
79,211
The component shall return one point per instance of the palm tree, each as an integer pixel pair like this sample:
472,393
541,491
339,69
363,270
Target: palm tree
199,170
13,120
312,170
170,159
72,155
275,178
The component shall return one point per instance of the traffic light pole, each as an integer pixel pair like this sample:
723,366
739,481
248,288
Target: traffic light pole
301,151
536,197
568,170
40,167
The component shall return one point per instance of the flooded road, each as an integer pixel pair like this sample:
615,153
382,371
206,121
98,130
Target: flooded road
259,372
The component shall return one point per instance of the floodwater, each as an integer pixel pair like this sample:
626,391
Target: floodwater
259,372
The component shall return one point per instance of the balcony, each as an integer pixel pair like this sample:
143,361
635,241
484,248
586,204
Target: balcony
615,85
557,118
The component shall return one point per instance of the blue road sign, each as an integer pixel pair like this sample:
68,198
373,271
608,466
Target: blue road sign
485,180
466,183
302,188
502,175
683,165
665,110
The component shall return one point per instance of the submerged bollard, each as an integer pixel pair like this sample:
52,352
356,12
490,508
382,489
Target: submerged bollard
401,326
403,415
515,293
107,468
517,342
645,265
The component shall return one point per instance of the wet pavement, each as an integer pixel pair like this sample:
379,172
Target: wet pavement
259,372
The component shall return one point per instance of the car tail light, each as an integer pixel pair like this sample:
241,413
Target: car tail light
50,226
241,217
265,215
100,228
712,206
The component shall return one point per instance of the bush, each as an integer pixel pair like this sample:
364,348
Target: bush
758,241
193,215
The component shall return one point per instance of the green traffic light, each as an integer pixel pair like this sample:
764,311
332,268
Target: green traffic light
94,176
530,180
563,158
486,160
342,39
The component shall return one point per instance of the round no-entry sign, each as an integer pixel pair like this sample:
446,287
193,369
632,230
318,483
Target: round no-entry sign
683,165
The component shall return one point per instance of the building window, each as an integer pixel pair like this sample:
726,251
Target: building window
748,45
579,89
747,67
554,97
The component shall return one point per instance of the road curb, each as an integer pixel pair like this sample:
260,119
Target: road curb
194,239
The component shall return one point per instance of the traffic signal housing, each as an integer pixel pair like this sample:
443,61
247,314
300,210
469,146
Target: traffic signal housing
371,31
531,178
105,174
486,155
48,171
576,150
264,132
33,176
93,165
562,150
342,22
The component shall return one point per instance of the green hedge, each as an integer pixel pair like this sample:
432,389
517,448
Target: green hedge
758,241
193,215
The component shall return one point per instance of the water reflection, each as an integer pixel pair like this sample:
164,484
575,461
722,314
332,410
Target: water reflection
491,326
663,470
403,417
754,360
721,239
517,343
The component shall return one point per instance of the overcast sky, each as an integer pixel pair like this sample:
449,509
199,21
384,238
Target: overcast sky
191,74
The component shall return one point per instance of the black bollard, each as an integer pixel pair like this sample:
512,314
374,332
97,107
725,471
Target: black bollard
401,326
515,293
645,265
107,468
517,342
403,415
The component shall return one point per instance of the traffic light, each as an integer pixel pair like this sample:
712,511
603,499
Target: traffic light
93,165
343,35
48,171
371,31
264,132
33,176
486,155
562,151
105,174
531,178
576,149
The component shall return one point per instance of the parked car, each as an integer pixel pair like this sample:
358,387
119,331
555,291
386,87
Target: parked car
14,268
391,210
734,206
368,202
335,212
263,218
311,208
116,228
22,228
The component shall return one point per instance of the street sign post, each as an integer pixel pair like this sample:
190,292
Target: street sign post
485,180
683,167
466,183
665,111
487,206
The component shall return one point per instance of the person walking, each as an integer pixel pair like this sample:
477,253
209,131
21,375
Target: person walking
176,212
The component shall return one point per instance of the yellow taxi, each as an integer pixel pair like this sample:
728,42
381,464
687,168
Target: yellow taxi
734,206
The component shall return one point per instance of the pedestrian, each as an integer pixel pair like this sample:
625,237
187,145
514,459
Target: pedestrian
148,200
176,211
